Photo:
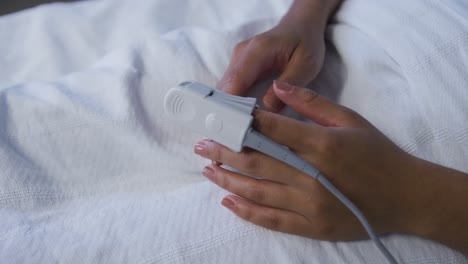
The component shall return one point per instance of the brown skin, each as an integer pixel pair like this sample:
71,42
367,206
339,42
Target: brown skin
397,192
295,49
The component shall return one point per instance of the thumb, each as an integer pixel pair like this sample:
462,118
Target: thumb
298,72
315,107
245,68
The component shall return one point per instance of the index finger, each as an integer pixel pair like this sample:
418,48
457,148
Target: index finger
286,131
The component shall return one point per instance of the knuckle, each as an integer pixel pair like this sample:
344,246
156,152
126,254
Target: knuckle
309,142
217,153
272,221
223,181
310,97
256,192
265,122
261,41
328,145
239,47
247,214
322,145
250,162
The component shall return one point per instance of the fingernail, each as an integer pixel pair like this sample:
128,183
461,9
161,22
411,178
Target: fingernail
200,147
214,162
283,86
208,172
228,203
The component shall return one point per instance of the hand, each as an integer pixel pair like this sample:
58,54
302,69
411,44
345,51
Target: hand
364,164
295,48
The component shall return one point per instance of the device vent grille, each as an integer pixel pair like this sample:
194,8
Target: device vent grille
177,106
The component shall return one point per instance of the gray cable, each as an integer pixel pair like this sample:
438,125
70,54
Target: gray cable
257,141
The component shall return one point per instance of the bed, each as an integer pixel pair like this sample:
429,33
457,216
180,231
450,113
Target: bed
91,171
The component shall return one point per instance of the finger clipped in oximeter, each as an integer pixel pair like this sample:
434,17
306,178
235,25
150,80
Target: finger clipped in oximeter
213,113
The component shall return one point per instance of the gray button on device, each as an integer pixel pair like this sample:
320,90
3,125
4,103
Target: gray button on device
213,123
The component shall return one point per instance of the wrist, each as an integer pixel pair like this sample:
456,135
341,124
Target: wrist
437,208
426,194
310,13
413,194
401,201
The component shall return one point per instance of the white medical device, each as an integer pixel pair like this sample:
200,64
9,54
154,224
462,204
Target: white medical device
217,115
227,119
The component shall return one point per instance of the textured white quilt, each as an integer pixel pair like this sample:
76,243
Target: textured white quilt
92,172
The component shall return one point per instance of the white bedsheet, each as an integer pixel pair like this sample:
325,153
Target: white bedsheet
91,172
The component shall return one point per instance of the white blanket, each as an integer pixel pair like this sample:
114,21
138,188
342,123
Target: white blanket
92,172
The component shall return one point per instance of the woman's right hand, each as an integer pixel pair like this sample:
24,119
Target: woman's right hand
295,49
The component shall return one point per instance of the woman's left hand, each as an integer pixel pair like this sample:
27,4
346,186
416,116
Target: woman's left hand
360,161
